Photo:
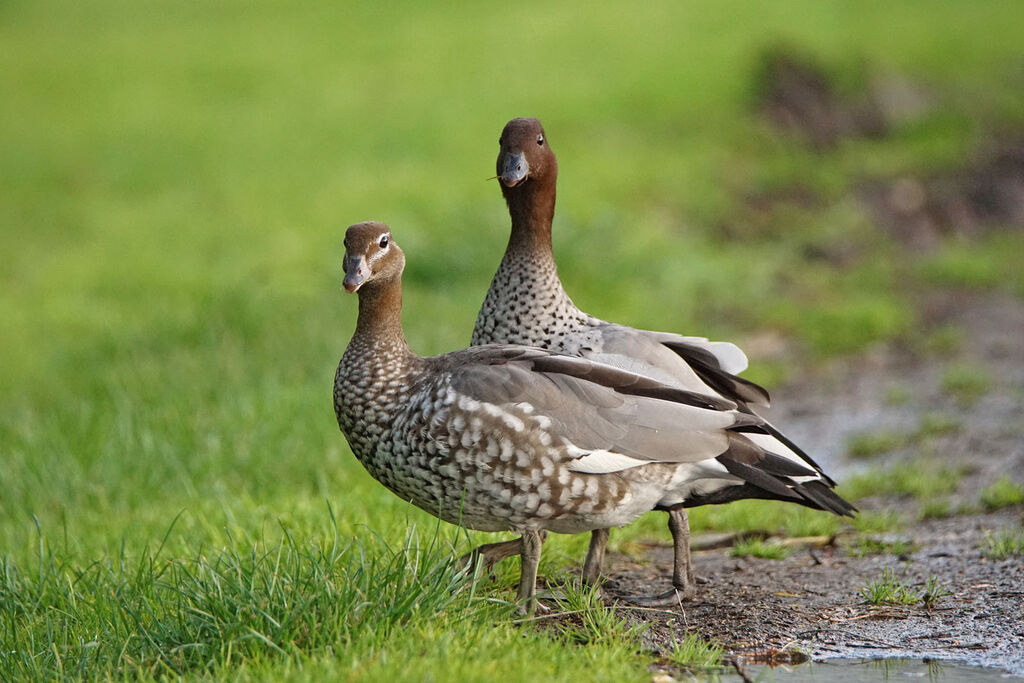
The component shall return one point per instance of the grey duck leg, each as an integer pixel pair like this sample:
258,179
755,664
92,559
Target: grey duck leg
595,556
683,584
530,544
493,553
489,554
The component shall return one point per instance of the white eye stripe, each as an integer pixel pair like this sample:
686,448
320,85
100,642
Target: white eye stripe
375,257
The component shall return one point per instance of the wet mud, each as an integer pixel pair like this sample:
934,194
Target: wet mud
811,601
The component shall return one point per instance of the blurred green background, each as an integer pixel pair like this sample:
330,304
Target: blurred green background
176,178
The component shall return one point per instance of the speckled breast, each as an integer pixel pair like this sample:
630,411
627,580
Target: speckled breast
488,467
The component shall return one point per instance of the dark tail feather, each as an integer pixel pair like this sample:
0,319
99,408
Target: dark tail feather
826,498
731,386
815,494
778,465
759,478
799,451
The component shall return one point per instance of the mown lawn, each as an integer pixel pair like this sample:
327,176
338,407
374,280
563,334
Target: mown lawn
175,180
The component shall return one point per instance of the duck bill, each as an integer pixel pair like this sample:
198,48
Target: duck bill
512,169
355,273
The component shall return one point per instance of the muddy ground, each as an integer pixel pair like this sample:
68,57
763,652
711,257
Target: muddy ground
811,601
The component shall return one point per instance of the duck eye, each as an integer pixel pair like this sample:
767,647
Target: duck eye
383,242
540,139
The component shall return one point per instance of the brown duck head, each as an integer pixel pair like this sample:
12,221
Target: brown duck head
371,256
525,156
528,172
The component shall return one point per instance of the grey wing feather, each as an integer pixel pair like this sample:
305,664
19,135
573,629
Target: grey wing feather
693,363
592,408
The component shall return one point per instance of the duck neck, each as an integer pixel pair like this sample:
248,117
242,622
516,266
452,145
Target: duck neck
532,207
379,325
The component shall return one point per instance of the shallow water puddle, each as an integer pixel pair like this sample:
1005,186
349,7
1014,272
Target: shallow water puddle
857,670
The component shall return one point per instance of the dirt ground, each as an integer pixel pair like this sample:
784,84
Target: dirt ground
811,600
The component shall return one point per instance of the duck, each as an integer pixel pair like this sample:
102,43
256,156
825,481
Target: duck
509,437
527,304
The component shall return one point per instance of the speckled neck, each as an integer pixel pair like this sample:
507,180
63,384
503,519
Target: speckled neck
529,251
526,303
378,366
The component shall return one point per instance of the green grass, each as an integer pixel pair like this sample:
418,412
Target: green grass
761,549
176,181
1003,544
283,604
981,265
869,445
693,652
863,546
888,590
1001,493
933,591
935,508
588,621
966,383
255,599
919,479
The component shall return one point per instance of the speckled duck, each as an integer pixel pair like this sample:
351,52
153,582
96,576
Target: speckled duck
526,304
515,438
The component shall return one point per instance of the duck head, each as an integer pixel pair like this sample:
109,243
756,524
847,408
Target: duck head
371,255
525,155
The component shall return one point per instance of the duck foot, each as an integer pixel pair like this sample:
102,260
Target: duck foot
670,598
683,580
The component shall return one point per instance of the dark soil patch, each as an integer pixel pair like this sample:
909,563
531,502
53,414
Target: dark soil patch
986,194
797,95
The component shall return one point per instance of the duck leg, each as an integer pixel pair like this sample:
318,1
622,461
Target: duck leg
530,544
683,584
493,553
489,554
595,556
682,565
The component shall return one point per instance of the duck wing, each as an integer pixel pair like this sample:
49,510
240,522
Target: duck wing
612,419
624,418
692,362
